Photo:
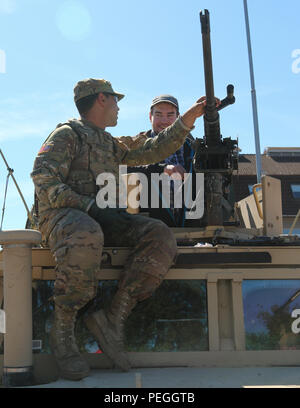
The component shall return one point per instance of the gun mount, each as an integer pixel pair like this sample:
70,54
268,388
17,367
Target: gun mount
215,157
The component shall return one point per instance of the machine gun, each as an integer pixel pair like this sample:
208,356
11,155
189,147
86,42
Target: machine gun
214,156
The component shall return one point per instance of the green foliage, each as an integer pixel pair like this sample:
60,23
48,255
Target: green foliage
278,334
261,341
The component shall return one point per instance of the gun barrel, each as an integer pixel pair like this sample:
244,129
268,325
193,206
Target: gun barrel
207,59
211,117
214,156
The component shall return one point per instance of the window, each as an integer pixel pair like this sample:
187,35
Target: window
174,318
271,312
295,190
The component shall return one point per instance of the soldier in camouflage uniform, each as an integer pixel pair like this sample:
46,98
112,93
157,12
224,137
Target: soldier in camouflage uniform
75,228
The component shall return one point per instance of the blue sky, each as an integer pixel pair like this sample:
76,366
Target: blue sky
144,49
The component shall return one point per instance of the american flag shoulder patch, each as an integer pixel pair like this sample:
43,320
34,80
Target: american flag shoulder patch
45,148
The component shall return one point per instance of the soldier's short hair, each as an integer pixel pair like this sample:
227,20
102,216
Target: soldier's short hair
85,104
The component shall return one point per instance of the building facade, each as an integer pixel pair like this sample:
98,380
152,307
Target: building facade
282,163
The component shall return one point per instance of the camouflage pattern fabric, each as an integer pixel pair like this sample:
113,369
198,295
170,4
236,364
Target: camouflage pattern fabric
76,242
134,142
64,175
93,86
154,248
68,163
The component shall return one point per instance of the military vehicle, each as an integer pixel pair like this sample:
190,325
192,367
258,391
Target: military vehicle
229,300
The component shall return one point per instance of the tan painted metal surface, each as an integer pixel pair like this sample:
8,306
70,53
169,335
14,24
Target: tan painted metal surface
17,284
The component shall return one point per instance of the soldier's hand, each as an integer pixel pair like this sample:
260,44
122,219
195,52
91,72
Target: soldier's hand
203,99
196,111
218,102
199,107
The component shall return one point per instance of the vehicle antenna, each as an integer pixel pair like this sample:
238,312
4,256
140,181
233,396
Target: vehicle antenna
253,95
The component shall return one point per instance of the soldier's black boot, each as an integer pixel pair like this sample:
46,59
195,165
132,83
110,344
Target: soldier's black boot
108,328
72,365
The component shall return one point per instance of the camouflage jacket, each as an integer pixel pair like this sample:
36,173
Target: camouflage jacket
136,141
68,163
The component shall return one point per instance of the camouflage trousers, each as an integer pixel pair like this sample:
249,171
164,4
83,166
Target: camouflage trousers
76,240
